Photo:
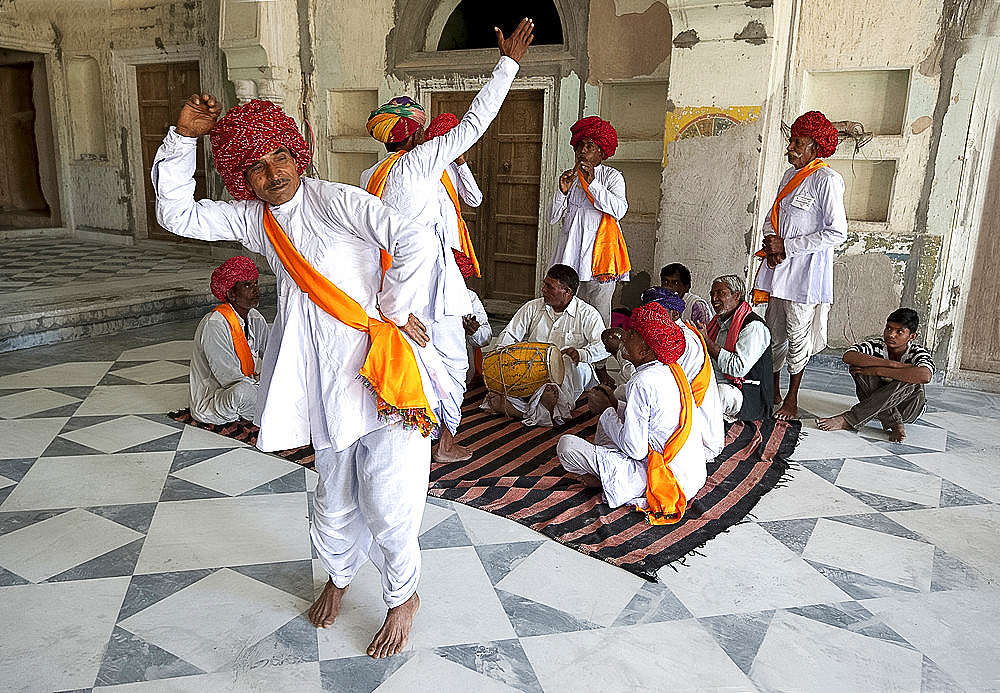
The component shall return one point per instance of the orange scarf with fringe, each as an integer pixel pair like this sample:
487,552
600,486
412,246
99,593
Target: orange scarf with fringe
610,253
699,386
664,496
463,229
240,343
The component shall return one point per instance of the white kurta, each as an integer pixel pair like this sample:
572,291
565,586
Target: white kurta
482,336
811,221
580,218
216,367
754,337
578,326
309,383
468,192
713,433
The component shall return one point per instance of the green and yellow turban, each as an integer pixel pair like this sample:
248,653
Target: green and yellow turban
395,121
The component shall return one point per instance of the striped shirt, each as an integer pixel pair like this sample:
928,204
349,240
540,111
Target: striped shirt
915,355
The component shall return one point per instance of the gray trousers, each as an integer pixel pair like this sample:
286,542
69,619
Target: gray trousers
892,402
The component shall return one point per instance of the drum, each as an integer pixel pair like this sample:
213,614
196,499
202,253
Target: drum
519,369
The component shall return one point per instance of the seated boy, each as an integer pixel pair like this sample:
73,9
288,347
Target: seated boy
648,449
889,373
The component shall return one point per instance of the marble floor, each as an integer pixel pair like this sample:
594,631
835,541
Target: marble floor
137,554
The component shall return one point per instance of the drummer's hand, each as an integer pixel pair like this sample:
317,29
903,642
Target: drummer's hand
612,338
415,330
604,377
470,324
600,398
573,354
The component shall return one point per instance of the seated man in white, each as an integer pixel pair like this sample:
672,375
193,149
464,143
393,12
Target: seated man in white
478,331
228,345
647,450
574,327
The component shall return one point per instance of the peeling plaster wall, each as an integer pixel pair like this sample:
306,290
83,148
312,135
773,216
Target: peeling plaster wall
626,44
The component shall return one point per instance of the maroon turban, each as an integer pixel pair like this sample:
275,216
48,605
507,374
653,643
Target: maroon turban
441,124
815,125
464,262
235,269
245,134
662,334
600,131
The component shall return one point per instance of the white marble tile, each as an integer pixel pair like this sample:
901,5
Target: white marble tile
185,535
236,471
486,528
91,480
362,612
876,554
744,570
74,374
807,495
135,399
448,677
903,484
215,622
5,482
32,402
927,437
62,630
433,515
199,439
567,580
119,434
28,437
969,533
975,429
815,444
303,677
825,403
973,469
52,546
177,350
801,654
958,630
155,372
670,656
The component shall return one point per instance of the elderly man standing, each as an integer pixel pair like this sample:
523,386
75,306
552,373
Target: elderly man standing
338,317
413,179
591,201
806,221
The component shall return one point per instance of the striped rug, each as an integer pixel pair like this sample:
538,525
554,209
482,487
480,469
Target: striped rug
514,473
246,432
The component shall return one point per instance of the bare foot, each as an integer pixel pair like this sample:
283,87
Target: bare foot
392,636
897,433
834,423
788,410
448,450
550,397
498,404
324,610
588,480
777,397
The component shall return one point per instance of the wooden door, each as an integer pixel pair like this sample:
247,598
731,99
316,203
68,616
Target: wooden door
22,203
507,163
162,90
981,330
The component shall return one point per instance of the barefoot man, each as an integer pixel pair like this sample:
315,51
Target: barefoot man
889,374
338,318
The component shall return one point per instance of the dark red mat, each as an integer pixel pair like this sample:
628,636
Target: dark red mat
246,432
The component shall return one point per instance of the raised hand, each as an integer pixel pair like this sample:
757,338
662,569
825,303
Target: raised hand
198,115
517,45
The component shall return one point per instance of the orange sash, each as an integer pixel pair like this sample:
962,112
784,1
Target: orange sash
699,386
610,253
240,342
759,295
376,185
390,368
463,229
663,494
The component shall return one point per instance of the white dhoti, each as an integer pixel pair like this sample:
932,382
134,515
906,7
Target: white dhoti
623,478
447,336
798,330
238,401
375,489
577,379
598,294
732,401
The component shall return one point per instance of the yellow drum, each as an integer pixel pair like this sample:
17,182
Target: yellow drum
519,369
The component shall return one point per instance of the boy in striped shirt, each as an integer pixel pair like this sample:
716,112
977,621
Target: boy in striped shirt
889,373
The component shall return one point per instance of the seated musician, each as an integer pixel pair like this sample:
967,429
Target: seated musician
574,327
647,450
228,344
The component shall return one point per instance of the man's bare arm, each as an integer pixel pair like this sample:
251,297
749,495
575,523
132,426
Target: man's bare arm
198,115
856,358
901,372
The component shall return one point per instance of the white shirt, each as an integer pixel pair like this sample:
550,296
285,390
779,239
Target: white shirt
696,309
579,326
580,218
312,359
214,363
647,419
484,334
414,189
811,222
754,337
713,432
468,191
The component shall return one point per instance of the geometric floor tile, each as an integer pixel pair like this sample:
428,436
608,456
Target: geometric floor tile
119,434
200,439
502,661
425,666
817,444
980,429
129,658
135,399
923,489
28,437
806,495
975,469
155,372
961,532
740,635
32,402
177,350
74,374
917,436
236,471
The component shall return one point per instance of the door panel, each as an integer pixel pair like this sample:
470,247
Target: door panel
22,203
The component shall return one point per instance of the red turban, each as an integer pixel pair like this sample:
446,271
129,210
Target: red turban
464,262
662,334
441,124
600,131
235,269
248,132
815,125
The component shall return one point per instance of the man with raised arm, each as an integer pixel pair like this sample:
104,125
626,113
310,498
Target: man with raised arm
338,318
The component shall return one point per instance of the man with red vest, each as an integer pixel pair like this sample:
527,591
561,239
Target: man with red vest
228,345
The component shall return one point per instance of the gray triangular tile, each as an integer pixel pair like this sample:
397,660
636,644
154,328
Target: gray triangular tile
294,642
901,448
13,521
6,491
884,504
129,659
653,603
175,489
531,618
853,617
186,458
879,523
897,462
294,577
857,585
145,590
441,502
950,573
953,495
828,470
956,443
116,563
500,559
78,422
934,680
448,533
792,533
502,661
163,418
167,443
9,579
360,674
740,635
293,482
15,468
80,392
62,447
112,379
136,516
64,410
